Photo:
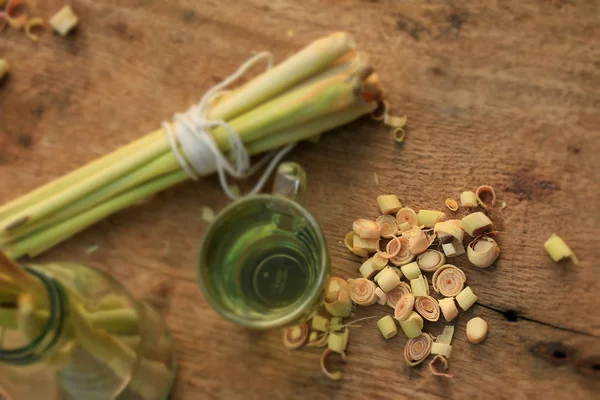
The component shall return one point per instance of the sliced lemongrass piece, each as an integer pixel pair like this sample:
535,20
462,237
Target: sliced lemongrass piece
477,330
389,203
419,241
466,298
366,229
30,25
487,191
441,349
4,68
349,242
468,199
448,308
64,20
411,328
387,326
317,339
419,286
404,255
320,323
417,318
337,298
394,295
16,22
430,260
417,349
558,249
387,279
451,227
428,307
381,296
483,251
393,121
295,336
451,204
362,291
404,307
364,245
399,134
378,262
366,269
337,375
439,366
408,216
394,247
453,249
428,218
411,270
448,280
447,335
388,225
403,227
338,341
335,324
476,224
379,113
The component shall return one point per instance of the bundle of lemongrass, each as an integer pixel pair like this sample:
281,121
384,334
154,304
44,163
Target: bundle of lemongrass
110,331
326,85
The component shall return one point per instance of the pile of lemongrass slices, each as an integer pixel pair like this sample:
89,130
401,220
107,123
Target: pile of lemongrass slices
406,254
327,84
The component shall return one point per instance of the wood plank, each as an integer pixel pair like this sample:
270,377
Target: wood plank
501,94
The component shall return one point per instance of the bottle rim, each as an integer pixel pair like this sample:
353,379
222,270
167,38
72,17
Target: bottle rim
35,350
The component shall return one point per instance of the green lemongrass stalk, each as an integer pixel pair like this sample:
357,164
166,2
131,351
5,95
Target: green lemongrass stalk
118,322
316,85
40,241
148,378
8,318
103,177
348,64
301,105
309,61
159,351
311,128
67,180
160,166
294,108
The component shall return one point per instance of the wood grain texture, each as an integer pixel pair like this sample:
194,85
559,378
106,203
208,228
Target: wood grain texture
500,93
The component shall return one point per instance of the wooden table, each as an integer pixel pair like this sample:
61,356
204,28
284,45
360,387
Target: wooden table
500,93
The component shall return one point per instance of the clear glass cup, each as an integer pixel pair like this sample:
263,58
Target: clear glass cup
263,262
82,336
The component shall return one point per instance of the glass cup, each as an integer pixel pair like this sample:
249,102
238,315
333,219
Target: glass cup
263,262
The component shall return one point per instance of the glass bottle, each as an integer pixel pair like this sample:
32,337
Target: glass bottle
80,336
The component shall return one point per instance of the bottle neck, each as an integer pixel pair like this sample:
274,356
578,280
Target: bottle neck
51,328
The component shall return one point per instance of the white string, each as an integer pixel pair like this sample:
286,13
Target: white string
201,155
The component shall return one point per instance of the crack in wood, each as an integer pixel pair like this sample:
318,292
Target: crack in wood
513,316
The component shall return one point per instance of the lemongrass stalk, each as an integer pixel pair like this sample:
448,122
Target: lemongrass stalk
39,242
150,378
120,321
67,196
159,351
348,64
160,166
296,107
167,163
307,62
299,106
311,128
8,318
65,181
